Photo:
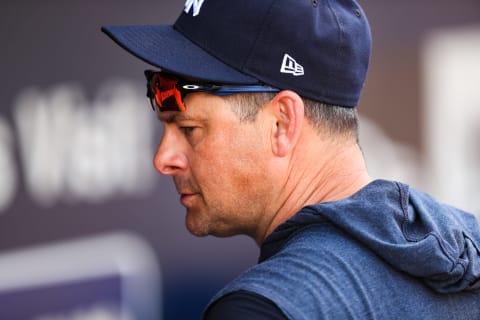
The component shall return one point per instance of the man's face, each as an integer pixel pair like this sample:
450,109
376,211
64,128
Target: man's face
220,165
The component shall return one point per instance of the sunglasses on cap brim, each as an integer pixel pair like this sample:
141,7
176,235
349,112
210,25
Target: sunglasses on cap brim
167,92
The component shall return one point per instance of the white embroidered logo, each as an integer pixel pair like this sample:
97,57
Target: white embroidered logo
289,65
196,4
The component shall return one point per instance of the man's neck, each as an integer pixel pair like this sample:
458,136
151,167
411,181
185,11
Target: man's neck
334,173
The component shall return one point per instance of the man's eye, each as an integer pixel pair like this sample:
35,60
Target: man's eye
187,131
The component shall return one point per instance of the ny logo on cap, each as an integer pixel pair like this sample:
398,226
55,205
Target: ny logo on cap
290,66
196,4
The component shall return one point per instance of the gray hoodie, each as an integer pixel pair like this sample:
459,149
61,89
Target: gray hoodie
387,252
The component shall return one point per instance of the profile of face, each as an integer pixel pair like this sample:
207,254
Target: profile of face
220,165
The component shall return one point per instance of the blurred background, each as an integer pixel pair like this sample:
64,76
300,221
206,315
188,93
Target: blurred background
83,214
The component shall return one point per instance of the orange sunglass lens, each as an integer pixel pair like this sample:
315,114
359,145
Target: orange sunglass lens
167,96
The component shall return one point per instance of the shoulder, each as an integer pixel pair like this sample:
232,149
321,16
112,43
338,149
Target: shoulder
318,270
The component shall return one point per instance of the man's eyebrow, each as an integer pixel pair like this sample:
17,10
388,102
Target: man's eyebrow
174,117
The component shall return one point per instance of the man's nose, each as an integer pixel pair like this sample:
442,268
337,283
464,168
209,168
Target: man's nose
169,158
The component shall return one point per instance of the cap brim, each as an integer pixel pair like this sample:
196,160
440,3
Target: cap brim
164,47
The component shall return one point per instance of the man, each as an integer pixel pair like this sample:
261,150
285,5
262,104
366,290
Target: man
258,98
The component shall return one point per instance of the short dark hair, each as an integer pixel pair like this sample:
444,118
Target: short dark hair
335,120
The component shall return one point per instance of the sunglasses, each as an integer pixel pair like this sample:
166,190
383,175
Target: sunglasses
167,93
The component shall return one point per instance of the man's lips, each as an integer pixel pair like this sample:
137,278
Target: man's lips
186,190
187,198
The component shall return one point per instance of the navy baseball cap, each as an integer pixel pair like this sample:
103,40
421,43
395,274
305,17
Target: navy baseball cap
317,48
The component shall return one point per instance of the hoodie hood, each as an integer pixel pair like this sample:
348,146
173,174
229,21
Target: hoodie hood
412,232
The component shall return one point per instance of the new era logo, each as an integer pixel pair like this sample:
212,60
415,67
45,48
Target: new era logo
196,4
290,66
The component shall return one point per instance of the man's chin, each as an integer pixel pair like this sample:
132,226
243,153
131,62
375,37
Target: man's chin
199,230
195,227
197,233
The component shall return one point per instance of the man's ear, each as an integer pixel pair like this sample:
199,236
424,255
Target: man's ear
288,110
